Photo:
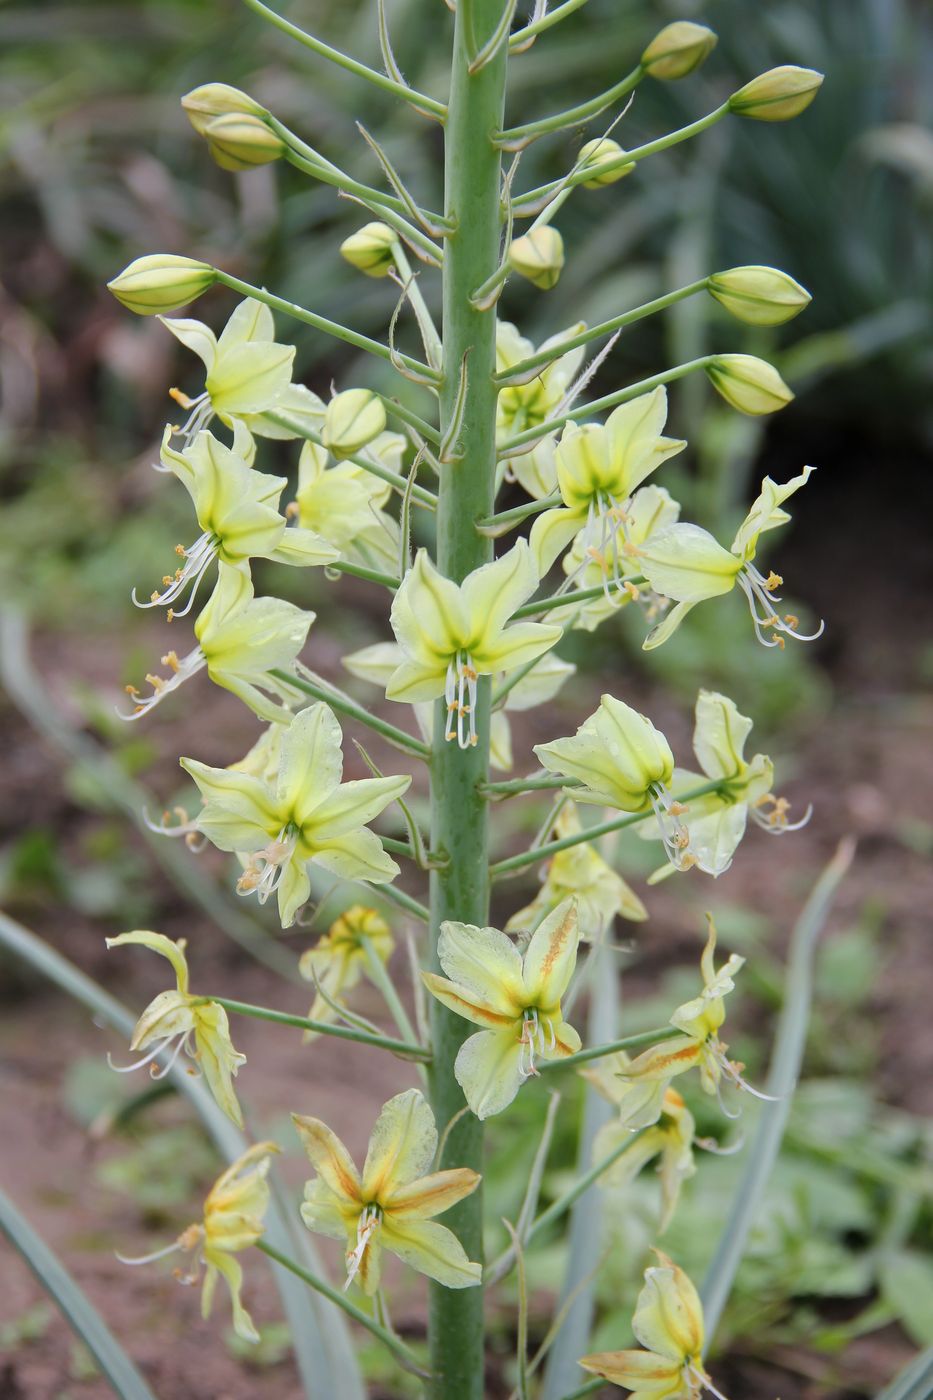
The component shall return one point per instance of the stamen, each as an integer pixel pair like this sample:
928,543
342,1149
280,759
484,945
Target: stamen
366,1227
267,867
149,1258
460,694
674,835
197,561
181,671
156,1050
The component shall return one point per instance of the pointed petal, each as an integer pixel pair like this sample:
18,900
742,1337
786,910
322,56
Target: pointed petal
685,562
487,1069
330,1158
719,735
414,682
241,813
663,1061
669,1315
401,1147
492,593
467,1004
551,534
552,956
194,335
432,1195
428,617
250,319
432,1249
484,963
311,764
293,891
325,1213
357,856
645,1372
637,447
250,377
217,1058
303,549
352,805
159,944
513,647
667,626
541,683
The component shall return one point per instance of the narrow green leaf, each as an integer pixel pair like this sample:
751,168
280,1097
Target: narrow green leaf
787,1058
915,1382
74,1304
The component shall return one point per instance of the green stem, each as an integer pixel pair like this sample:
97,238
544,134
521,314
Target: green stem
573,596
505,519
389,1339
429,336
500,1267
379,80
542,357
378,974
349,707
531,201
515,786
459,814
321,323
410,1050
341,566
599,1052
521,37
592,833
404,901
643,386
573,116
405,415
370,464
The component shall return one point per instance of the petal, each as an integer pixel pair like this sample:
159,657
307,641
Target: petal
500,741
536,471
194,335
432,1249
663,1061
432,1195
427,615
646,1372
322,1211
375,663
302,407
357,856
669,1316
304,549
413,682
636,445
311,764
250,377
485,963
168,1014
159,944
552,532
540,684
715,836
488,1071
513,647
552,955
719,735
667,626
492,593
330,1158
250,320
217,1058
765,513
685,563
232,1274
294,889
401,1147
467,1004
267,634
241,813
352,805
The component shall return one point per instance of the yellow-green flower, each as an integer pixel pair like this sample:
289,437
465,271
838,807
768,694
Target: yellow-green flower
698,1046
241,641
515,998
587,565
580,873
339,959
522,406
668,1322
379,662
233,1218
343,502
452,634
392,1204
716,821
249,375
599,466
177,1018
669,1137
237,510
685,563
307,814
622,761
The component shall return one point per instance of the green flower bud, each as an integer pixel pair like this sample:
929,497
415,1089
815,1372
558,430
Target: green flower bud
777,95
212,100
762,296
238,141
539,256
370,249
598,152
678,50
352,420
749,384
161,282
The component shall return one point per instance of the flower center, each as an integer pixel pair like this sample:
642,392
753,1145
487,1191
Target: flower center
200,412
537,1040
674,834
366,1226
460,691
266,868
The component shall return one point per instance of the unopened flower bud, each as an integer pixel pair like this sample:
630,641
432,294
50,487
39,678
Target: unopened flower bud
212,100
678,49
370,249
539,256
352,420
762,296
777,95
600,152
161,282
238,141
749,384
